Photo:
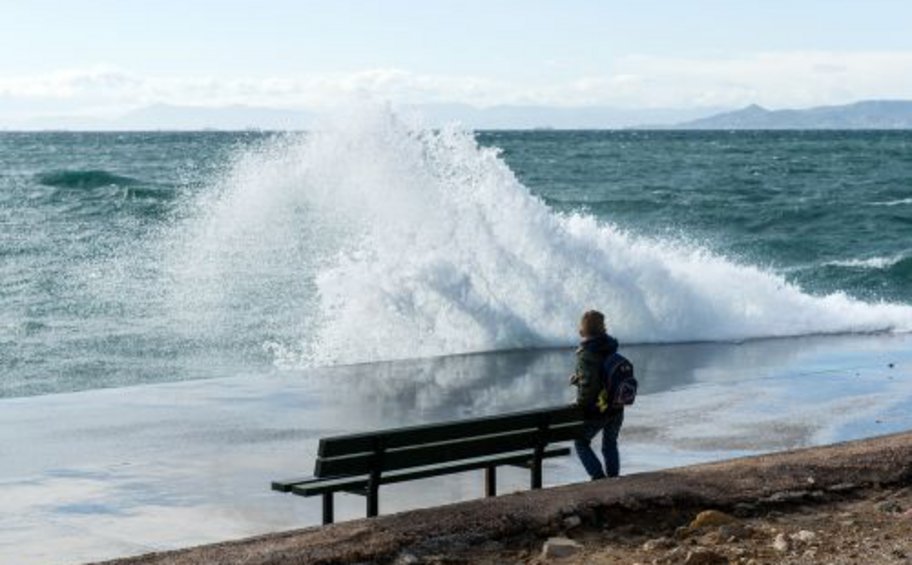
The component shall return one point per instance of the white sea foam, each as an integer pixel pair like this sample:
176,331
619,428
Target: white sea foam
869,263
899,202
426,244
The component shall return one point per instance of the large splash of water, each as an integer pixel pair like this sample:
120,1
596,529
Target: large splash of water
396,241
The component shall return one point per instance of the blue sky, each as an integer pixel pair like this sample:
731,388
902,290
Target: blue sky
105,56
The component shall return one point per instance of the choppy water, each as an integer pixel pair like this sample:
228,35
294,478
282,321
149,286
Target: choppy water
141,257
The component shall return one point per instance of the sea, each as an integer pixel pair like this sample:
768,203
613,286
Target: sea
129,258
184,314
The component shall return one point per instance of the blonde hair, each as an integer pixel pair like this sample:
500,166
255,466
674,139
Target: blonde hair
593,323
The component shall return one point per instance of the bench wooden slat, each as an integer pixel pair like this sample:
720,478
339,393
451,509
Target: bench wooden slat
350,484
285,485
331,484
428,433
443,452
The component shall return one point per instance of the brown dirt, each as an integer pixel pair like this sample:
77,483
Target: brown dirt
852,500
871,525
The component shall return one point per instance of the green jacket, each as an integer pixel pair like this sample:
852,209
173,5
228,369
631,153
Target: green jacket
590,356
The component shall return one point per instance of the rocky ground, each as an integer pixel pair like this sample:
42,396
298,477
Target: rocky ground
872,525
844,503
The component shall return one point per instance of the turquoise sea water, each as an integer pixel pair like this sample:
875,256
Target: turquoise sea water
128,258
830,210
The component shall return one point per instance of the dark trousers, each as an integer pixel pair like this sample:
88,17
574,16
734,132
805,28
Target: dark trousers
610,426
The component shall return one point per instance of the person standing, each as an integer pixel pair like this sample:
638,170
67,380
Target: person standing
595,346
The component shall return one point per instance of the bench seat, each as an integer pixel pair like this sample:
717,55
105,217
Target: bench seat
312,486
361,463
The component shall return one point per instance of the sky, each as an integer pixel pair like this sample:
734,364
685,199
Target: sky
104,57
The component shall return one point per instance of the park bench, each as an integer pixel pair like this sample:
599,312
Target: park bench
360,463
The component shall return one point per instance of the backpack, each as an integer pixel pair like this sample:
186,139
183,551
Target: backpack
619,387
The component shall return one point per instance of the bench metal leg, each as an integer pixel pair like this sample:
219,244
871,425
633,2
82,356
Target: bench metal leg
373,501
373,494
327,508
373,483
491,481
539,455
537,469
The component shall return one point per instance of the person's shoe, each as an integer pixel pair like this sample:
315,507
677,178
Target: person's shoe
597,478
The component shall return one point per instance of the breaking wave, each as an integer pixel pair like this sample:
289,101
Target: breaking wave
402,241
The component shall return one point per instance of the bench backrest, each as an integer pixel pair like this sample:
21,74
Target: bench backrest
417,446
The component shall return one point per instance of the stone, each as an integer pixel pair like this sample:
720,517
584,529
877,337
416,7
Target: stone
889,507
631,503
558,548
880,496
902,493
786,496
658,543
492,545
711,518
710,538
629,530
816,495
571,522
682,532
781,543
843,487
805,536
406,558
745,509
734,532
705,557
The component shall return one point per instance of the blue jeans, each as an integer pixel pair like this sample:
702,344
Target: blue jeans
610,426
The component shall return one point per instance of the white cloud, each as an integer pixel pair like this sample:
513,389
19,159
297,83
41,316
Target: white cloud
784,79
100,86
777,79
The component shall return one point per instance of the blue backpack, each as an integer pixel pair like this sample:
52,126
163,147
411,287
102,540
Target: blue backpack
619,385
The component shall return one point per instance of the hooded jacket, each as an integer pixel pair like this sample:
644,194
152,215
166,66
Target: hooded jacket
590,358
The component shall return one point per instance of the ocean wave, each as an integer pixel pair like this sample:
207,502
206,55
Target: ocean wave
82,179
99,192
899,202
869,263
422,243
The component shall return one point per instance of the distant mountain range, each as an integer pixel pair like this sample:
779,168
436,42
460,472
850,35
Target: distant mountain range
869,114
507,117
170,117
872,114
